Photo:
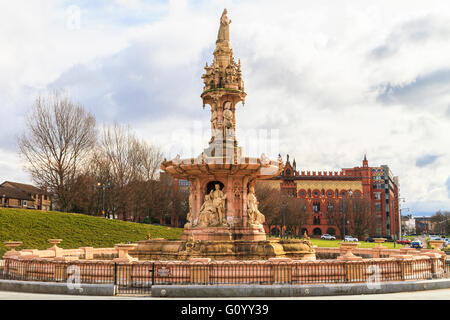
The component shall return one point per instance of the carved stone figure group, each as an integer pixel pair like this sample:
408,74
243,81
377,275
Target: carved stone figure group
213,212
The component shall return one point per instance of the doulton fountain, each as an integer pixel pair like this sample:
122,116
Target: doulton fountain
223,220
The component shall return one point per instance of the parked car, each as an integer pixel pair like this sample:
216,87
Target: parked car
327,236
350,238
446,242
416,244
404,241
370,239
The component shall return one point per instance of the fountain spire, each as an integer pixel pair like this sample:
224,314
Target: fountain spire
223,90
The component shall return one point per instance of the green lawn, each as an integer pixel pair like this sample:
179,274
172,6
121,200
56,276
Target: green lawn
335,243
34,228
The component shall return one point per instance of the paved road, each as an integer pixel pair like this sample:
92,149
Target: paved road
443,294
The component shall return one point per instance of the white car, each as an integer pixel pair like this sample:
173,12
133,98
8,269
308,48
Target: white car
350,238
327,236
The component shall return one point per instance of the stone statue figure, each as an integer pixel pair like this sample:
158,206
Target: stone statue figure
188,223
227,115
224,29
255,217
213,125
219,203
208,213
265,160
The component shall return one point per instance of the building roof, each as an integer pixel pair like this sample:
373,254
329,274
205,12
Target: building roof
27,188
13,193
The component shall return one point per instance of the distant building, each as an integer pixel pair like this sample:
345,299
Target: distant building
19,195
408,224
424,225
318,188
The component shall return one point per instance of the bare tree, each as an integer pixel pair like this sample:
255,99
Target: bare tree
362,216
269,200
441,222
358,213
58,139
296,213
131,166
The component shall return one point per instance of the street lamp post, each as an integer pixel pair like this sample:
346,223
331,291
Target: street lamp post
100,185
284,219
350,193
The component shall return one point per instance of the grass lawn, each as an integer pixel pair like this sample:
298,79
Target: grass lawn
34,228
335,243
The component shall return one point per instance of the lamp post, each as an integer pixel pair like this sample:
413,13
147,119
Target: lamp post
284,218
102,186
350,193
4,201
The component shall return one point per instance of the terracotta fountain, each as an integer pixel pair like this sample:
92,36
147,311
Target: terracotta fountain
223,220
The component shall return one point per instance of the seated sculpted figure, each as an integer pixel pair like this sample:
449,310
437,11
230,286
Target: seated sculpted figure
255,217
207,214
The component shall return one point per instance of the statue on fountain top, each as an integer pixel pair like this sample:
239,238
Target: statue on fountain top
224,29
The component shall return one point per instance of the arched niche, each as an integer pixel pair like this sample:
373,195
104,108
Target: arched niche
210,186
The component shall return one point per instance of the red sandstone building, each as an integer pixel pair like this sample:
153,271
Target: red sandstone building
318,188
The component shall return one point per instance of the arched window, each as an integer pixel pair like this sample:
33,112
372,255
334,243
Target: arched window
316,206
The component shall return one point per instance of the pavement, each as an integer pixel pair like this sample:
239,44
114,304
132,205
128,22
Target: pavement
442,294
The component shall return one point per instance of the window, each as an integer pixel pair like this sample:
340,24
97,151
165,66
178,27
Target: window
330,206
24,203
316,206
378,207
377,195
316,220
330,193
316,194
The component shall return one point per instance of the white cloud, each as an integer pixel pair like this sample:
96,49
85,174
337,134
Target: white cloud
337,79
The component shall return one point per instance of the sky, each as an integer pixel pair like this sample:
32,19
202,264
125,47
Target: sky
327,81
